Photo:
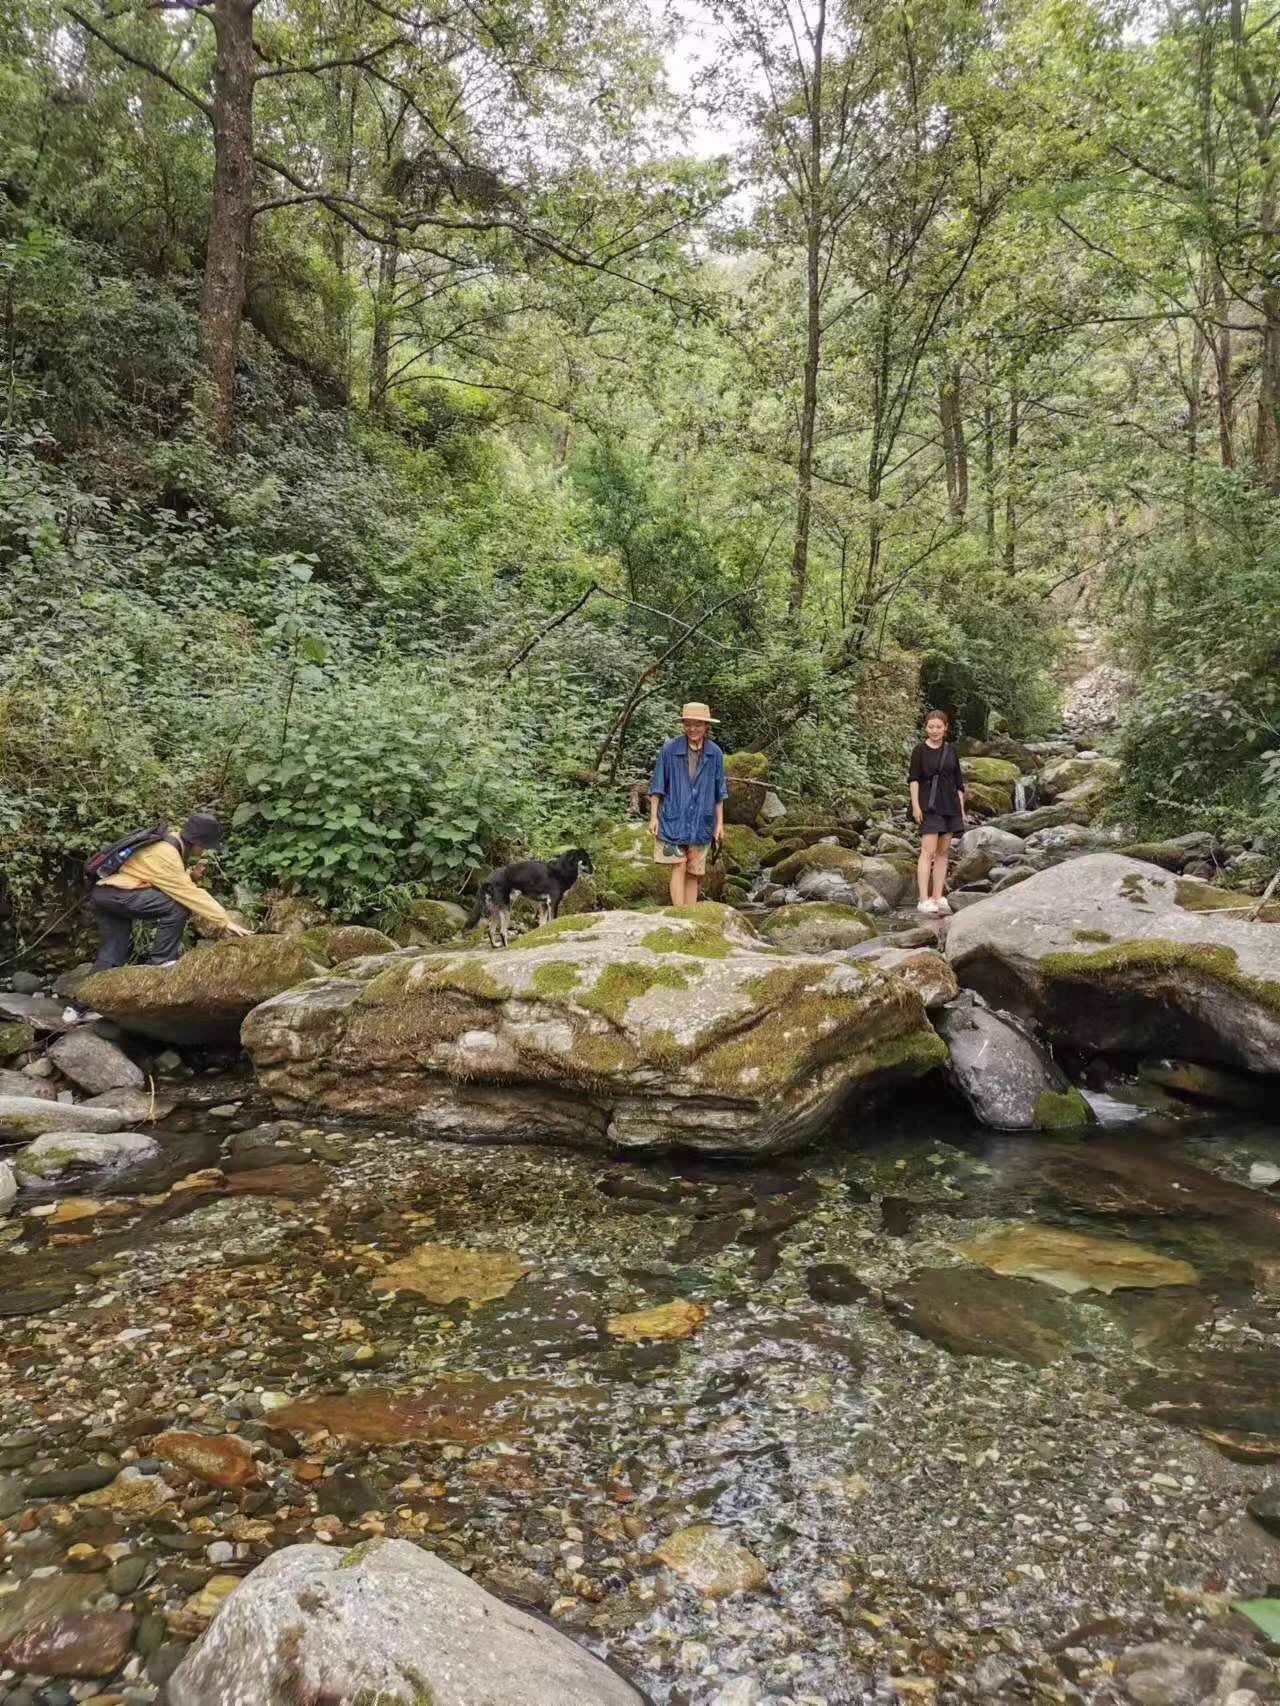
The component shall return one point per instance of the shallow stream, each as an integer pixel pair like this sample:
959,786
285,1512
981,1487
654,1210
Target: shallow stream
933,1524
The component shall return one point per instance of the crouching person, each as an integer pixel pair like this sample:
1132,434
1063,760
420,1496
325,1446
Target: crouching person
145,880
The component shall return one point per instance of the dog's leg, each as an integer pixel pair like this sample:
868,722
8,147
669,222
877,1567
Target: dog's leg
546,911
504,922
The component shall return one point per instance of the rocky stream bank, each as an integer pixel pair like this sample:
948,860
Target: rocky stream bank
793,1302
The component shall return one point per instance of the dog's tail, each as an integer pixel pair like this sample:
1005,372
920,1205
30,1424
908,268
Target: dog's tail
482,896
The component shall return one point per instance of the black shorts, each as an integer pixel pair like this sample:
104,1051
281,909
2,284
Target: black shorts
938,823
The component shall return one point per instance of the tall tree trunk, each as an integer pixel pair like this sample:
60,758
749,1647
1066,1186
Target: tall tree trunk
989,463
1260,106
813,326
1224,385
954,449
1010,497
227,251
384,310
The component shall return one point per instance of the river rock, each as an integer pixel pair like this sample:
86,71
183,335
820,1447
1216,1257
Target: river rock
8,1186
987,838
51,1154
220,1460
924,968
74,1643
709,1560
973,1313
991,772
22,1085
1062,838
1162,1674
443,1274
973,866
32,1116
816,928
665,1321
619,1029
1060,778
204,998
1074,1261
16,1037
93,1063
1264,1508
1115,956
136,1106
40,1012
1008,1078
1230,1398
386,1622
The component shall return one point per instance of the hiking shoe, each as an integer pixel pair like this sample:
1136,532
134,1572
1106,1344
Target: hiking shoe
941,906
80,1016
929,906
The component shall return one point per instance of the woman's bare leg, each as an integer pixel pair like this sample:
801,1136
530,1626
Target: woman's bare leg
924,865
942,844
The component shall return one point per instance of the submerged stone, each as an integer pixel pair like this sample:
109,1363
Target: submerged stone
443,1274
455,1408
1231,1399
711,1561
386,1622
622,1029
74,1643
674,1320
221,1460
982,1314
1074,1261
31,1116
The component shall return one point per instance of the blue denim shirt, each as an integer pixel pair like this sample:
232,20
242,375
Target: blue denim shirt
687,813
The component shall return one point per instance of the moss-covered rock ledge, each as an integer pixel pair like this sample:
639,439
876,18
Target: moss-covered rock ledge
204,998
1112,954
671,1029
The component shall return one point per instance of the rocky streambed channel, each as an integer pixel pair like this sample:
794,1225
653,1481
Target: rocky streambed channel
788,1303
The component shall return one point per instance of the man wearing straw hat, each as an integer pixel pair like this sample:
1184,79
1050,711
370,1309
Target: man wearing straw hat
687,792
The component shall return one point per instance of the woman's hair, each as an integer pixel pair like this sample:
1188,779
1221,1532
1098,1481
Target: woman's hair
930,715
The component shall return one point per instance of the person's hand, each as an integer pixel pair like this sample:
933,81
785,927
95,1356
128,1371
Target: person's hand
653,825
917,814
238,930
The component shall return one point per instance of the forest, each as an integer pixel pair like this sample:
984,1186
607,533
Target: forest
405,409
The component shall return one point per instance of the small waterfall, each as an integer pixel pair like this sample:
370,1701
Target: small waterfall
1024,793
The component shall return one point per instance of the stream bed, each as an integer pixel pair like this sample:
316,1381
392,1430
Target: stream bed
939,1481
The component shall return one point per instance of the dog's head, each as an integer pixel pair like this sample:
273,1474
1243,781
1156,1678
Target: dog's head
577,859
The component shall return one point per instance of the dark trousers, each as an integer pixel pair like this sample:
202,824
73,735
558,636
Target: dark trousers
116,911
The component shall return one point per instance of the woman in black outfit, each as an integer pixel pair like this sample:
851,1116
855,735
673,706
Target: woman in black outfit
937,805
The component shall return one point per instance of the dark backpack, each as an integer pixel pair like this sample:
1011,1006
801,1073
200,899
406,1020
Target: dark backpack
109,861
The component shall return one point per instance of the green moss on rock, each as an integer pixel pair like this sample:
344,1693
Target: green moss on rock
753,765
1091,936
622,982
821,857
557,928
600,1056
1158,957
1061,1110
1194,896
555,977
990,772
16,1037
338,942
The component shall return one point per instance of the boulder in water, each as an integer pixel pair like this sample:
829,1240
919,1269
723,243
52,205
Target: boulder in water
817,928
389,1622
53,1153
923,967
991,772
1059,779
987,838
1008,1078
8,1186
31,1116
620,1029
25,1088
1116,956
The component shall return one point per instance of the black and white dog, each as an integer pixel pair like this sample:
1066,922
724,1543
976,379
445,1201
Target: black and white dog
545,882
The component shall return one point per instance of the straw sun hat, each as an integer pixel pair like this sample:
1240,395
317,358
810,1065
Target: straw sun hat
696,712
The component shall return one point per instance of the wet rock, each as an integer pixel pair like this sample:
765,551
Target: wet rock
347,1494
93,1063
1024,824
12,1497
467,1411
1264,1508
1074,1261
74,1643
137,1106
711,1561
443,1274
221,1460
1008,1078
33,1115
1200,1083
674,1320
614,1030
1058,779
67,1483
22,1085
923,967
1232,1399
982,1314
295,1179
130,1495
389,1622
8,1187
51,1155
1161,1674
128,1575
1112,955
1123,1178
989,838
834,1282
815,928
41,1598
1063,838
34,1299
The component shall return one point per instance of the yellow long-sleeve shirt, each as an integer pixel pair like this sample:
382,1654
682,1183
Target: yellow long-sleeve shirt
160,866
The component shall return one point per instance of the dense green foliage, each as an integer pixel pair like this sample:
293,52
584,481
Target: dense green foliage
503,343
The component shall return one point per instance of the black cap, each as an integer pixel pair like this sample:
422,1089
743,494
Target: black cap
201,829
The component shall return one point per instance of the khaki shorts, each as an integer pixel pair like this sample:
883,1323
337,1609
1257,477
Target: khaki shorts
694,859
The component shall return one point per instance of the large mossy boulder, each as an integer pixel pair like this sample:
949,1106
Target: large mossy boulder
990,772
204,997
1068,774
1112,955
819,857
679,1029
744,773
628,875
987,799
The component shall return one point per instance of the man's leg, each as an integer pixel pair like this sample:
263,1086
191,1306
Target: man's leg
695,866
115,927
149,906
677,884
